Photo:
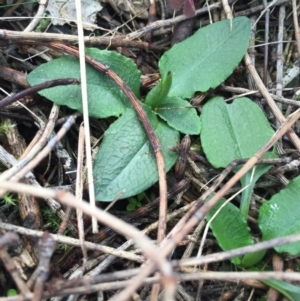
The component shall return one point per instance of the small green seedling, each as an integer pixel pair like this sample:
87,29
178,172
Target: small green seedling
9,200
44,23
5,127
11,292
135,202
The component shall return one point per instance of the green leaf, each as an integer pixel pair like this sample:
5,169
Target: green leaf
247,180
235,131
179,114
232,131
159,92
130,207
251,259
11,292
292,292
105,97
231,232
140,196
279,216
125,161
207,58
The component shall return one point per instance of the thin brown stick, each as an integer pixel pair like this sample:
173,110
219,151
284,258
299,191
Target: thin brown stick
179,172
32,90
280,58
227,9
29,207
79,189
45,136
10,266
184,263
245,92
47,149
73,242
85,109
266,48
279,71
37,18
47,247
33,37
59,287
168,22
13,8
221,256
8,160
296,25
13,76
222,276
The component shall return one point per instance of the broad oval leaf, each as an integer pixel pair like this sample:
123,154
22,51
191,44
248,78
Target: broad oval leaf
231,232
207,58
105,97
180,115
279,216
235,131
125,161
232,131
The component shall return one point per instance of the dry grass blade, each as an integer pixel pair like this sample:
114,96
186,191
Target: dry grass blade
79,189
296,24
88,150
